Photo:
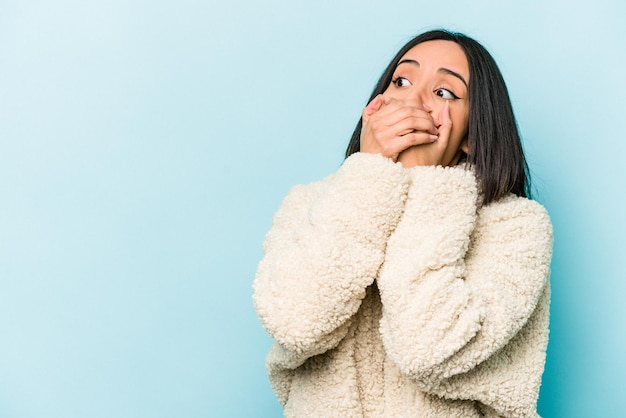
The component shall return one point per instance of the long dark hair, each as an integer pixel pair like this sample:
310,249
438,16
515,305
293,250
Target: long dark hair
495,147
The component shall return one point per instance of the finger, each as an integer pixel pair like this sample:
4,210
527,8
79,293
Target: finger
413,124
391,105
372,107
408,117
411,102
445,125
395,144
417,138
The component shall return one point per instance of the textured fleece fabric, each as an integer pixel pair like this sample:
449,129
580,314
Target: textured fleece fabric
391,292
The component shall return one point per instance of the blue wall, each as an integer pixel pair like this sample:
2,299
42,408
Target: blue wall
144,146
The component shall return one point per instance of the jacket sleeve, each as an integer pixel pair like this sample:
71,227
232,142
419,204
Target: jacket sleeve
457,287
325,246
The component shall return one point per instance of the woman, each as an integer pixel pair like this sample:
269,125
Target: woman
413,282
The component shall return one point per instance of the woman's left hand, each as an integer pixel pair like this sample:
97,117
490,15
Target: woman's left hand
433,153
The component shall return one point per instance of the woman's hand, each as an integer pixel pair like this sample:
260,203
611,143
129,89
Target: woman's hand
432,153
392,126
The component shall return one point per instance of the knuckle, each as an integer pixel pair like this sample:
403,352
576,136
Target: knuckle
386,148
406,111
415,138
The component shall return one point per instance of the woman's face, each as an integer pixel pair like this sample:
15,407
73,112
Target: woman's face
432,73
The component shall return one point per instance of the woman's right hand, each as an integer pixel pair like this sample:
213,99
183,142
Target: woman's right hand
390,126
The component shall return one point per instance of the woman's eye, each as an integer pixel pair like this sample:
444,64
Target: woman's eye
401,82
445,94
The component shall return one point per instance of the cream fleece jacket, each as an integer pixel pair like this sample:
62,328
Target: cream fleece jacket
391,293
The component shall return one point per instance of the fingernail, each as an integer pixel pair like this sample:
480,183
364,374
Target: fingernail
426,107
433,137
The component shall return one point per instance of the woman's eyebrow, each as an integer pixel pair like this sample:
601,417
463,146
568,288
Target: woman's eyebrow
442,70
408,61
453,73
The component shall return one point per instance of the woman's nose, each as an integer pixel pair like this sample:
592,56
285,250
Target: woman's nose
422,99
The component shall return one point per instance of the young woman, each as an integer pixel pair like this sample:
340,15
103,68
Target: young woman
413,282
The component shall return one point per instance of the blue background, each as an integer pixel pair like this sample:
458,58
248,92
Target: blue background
145,145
